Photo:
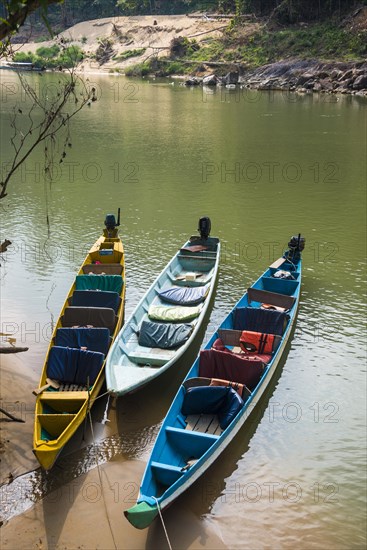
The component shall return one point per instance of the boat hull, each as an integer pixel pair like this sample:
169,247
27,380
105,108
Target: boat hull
169,473
130,365
60,411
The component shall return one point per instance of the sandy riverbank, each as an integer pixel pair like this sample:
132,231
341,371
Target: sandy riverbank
151,33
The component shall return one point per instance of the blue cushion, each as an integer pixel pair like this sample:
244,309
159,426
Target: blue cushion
260,320
94,339
96,298
164,335
221,400
74,366
184,296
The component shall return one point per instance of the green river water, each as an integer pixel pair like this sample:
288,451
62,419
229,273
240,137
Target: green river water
263,166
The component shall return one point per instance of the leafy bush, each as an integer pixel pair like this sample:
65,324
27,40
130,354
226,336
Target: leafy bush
140,69
129,53
51,57
22,57
48,53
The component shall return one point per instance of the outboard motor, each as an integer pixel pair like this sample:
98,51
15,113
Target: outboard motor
111,224
204,227
295,246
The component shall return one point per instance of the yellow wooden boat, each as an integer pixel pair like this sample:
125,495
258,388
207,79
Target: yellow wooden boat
73,372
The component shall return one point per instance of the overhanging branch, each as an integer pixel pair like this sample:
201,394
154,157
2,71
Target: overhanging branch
16,18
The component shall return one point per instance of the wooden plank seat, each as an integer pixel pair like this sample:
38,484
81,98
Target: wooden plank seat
64,401
281,286
142,355
204,423
212,404
102,269
189,443
277,263
166,474
273,298
76,316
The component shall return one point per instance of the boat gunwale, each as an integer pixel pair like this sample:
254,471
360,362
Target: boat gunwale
158,370
208,458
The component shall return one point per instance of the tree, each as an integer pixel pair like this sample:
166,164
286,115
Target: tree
54,112
15,13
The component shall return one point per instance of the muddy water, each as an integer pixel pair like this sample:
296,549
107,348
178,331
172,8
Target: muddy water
263,167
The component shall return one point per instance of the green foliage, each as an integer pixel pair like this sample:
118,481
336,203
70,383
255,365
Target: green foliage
181,47
51,57
23,57
71,56
129,53
140,69
323,41
48,53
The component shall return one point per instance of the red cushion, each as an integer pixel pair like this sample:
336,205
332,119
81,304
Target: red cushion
231,366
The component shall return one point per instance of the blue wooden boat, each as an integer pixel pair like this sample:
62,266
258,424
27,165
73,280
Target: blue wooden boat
168,317
223,386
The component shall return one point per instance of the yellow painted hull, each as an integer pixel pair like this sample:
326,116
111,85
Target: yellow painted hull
70,408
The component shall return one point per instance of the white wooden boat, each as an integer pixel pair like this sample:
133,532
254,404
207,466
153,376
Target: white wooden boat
168,317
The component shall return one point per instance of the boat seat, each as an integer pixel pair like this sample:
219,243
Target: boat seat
166,474
278,285
220,400
260,320
277,263
272,298
184,296
74,366
93,339
95,298
229,337
102,269
146,356
194,382
94,316
203,423
173,313
190,444
112,283
163,335
231,366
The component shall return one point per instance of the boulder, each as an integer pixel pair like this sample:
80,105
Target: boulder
230,78
346,75
193,81
303,78
360,82
210,80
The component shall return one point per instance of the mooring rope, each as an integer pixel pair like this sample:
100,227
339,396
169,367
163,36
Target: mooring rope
164,527
100,479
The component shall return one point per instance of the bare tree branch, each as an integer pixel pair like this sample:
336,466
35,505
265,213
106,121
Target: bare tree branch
56,115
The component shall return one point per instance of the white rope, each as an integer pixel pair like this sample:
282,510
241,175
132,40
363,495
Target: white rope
105,415
100,479
164,527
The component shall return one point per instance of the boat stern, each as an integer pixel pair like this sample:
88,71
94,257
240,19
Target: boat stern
46,456
141,515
